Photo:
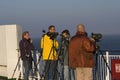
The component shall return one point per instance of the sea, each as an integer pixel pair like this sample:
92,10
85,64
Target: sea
106,43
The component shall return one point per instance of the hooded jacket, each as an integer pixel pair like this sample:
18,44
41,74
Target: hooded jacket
49,48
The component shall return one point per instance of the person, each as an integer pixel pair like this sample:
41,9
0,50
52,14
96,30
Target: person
25,50
66,73
81,54
49,46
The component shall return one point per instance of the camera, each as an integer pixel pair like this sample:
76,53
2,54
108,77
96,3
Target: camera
53,35
96,36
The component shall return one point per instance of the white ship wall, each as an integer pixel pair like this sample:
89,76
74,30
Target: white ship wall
10,35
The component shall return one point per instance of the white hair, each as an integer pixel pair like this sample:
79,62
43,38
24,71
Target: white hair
80,28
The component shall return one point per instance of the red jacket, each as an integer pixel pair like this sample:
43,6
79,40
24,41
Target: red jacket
81,51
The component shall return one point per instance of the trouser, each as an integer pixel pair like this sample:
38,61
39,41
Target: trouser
42,67
68,73
61,70
84,74
26,69
51,70
65,72
72,74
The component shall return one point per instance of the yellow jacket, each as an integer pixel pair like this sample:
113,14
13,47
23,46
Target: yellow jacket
49,52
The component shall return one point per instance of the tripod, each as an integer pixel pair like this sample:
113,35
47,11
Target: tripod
99,51
16,66
36,70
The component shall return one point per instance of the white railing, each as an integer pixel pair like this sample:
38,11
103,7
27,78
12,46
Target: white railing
102,71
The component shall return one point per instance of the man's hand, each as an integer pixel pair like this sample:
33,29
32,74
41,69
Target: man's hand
56,57
92,39
31,40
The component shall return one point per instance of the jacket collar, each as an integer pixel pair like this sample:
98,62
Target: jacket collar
81,34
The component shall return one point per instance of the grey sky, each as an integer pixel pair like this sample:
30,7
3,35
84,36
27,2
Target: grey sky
101,16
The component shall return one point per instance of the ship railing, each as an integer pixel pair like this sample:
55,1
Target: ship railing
103,68
102,72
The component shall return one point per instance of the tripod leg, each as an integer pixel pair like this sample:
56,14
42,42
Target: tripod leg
96,67
16,67
36,67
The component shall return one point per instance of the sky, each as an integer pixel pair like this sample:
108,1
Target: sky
98,16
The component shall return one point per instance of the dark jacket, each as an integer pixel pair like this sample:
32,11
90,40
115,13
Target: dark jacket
81,51
25,49
64,50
